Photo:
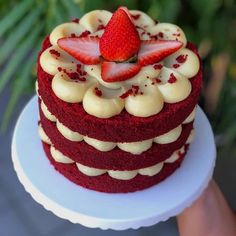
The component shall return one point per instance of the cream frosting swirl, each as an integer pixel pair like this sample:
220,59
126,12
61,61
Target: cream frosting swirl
173,72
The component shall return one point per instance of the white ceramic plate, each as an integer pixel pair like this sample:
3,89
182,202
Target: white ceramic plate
110,211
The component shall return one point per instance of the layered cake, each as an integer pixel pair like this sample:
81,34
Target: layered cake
117,99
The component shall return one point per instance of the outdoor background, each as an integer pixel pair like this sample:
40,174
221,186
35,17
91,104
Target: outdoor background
211,25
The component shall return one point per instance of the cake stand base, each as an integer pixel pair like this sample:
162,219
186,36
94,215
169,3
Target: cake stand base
110,211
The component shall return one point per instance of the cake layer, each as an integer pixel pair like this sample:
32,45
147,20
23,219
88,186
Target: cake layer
104,183
123,127
131,147
116,159
117,174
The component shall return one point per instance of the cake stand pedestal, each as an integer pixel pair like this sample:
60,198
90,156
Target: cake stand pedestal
110,211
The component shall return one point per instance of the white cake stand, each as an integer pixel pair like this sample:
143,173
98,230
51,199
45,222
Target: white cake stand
110,211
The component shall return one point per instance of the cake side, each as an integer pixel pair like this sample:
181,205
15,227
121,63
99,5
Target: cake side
117,115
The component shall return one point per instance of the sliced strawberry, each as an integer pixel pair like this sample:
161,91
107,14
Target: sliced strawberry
120,41
85,49
113,72
153,51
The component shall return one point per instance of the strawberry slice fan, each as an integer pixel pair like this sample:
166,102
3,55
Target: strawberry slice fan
120,50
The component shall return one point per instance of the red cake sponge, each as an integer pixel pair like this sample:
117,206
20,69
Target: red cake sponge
104,183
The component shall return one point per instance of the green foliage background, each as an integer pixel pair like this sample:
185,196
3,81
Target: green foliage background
209,24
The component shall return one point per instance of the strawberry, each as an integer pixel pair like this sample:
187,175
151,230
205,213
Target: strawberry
85,49
113,72
153,51
120,41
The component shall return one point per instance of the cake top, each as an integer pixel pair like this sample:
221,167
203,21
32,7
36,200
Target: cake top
124,60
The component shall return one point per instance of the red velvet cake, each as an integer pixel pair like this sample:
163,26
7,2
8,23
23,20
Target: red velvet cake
117,99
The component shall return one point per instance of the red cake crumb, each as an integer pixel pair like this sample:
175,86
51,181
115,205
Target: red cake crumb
176,66
161,35
156,81
153,37
76,20
78,68
133,91
135,17
172,79
126,94
101,27
158,66
178,35
85,33
104,183
55,52
181,58
98,92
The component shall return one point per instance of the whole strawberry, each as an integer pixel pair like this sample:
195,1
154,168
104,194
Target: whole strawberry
120,40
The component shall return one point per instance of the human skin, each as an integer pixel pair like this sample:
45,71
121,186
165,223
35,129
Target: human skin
210,215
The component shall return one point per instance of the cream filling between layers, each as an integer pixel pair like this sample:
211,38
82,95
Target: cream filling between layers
140,104
131,147
116,174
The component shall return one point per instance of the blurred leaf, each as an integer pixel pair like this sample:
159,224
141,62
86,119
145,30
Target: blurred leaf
18,33
203,8
73,8
18,57
164,10
95,4
18,88
130,4
14,15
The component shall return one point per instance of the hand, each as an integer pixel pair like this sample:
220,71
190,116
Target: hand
210,215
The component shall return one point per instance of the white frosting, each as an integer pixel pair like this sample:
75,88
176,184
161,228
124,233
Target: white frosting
50,62
169,93
174,92
191,116
93,19
47,113
90,171
153,170
68,133
146,104
99,145
59,157
170,136
144,76
123,174
67,89
189,68
132,147
136,147
169,31
191,136
37,88
101,107
143,20
116,174
43,135
174,157
65,30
